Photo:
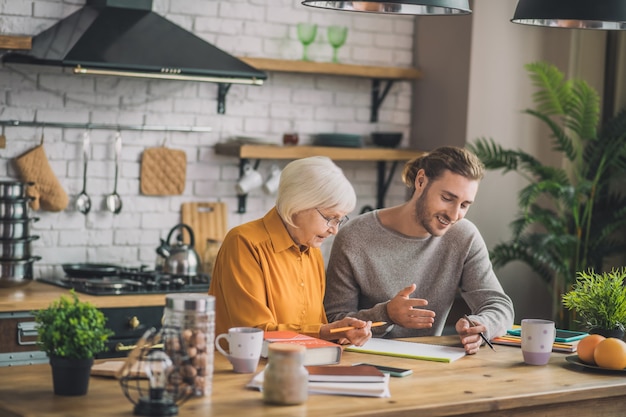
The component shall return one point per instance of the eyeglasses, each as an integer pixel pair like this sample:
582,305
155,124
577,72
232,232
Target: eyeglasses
333,222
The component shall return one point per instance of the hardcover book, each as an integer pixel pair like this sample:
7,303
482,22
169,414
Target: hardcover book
318,351
358,389
358,373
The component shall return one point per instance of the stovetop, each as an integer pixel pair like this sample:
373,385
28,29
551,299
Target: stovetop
128,281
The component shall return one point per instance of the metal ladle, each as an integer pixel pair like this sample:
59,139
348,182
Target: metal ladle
83,202
114,201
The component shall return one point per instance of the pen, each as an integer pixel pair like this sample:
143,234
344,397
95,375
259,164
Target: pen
481,333
345,329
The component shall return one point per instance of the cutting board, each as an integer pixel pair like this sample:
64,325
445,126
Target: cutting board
208,220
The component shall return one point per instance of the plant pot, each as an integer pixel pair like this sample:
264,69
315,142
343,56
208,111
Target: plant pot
70,376
617,333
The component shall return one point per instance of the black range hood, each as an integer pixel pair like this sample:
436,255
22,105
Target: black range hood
126,38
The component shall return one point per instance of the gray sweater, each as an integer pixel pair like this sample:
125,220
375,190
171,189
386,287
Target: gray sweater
369,264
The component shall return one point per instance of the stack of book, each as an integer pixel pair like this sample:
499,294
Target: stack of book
359,380
318,351
510,340
565,341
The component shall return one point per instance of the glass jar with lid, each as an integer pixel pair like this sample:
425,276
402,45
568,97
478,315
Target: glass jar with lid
189,332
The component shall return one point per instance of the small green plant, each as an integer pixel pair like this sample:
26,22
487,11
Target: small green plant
599,299
71,329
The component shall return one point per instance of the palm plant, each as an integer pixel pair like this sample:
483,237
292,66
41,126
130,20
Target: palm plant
571,219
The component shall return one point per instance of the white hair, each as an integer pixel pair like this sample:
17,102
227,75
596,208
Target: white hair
314,182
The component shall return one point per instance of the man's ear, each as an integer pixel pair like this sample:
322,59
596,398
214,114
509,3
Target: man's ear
420,179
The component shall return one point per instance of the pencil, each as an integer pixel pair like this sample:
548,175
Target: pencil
481,333
345,329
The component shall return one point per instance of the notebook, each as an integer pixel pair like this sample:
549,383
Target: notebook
411,350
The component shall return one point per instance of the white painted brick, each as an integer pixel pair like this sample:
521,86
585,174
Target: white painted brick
193,7
12,7
214,25
242,11
35,99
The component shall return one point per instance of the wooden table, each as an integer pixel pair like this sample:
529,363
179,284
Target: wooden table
486,384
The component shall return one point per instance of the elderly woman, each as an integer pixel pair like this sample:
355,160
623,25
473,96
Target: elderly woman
269,273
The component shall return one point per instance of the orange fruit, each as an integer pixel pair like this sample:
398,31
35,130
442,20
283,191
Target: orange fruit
611,353
586,347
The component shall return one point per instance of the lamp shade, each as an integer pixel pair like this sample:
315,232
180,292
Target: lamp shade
415,7
572,14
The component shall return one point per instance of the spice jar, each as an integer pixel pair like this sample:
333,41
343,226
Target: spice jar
286,379
189,331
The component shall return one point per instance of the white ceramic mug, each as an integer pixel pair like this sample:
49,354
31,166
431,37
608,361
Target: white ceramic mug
244,345
272,182
250,179
537,339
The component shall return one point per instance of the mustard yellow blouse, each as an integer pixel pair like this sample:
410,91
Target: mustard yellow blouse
262,279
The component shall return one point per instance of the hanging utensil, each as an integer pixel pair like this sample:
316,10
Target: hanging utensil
114,201
83,202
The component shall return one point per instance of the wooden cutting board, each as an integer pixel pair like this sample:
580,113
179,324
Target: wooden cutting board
208,220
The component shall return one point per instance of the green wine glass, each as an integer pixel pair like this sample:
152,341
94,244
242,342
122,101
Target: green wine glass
337,36
306,34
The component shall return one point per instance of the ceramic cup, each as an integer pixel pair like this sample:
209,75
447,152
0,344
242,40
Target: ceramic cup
250,179
244,345
271,184
537,339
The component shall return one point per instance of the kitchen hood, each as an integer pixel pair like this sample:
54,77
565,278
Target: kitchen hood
126,38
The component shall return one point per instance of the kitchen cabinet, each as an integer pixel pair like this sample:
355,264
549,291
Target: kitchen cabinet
382,77
382,156
129,316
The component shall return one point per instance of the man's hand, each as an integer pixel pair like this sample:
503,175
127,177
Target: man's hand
406,311
470,335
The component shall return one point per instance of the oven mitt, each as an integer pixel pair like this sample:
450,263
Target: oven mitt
47,192
163,171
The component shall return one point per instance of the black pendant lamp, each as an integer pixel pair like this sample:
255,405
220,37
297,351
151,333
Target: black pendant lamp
572,14
415,7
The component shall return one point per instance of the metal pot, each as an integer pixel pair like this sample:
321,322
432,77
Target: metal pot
16,273
16,228
15,208
15,249
13,189
178,259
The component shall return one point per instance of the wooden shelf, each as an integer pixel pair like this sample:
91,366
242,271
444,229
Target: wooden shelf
296,152
246,152
329,68
15,42
378,75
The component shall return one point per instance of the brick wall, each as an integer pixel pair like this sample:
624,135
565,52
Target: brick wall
287,102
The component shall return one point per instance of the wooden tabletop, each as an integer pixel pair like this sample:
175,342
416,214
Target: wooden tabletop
37,295
486,384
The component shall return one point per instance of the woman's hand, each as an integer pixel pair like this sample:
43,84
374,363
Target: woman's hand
361,332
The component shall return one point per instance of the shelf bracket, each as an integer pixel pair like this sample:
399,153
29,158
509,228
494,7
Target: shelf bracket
243,198
222,90
382,184
378,96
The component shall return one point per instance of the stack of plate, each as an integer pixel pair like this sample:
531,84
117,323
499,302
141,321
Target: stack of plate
338,139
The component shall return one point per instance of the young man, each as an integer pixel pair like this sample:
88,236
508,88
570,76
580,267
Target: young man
405,264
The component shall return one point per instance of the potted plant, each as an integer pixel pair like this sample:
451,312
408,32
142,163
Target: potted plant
572,217
599,300
71,332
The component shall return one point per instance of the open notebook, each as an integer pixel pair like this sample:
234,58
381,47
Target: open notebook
401,349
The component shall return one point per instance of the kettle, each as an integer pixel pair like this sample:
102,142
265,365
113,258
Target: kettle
178,258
